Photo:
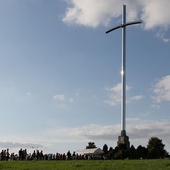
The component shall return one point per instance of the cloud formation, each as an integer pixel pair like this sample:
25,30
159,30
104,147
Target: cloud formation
12,145
63,100
137,97
115,95
59,97
92,13
162,90
162,35
136,128
96,132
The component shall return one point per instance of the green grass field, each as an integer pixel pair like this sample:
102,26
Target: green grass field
160,164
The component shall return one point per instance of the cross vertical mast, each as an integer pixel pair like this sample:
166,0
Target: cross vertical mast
123,139
123,74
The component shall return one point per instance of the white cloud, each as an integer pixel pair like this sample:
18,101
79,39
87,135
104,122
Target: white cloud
166,39
59,97
94,131
115,95
17,145
137,129
24,141
155,13
64,101
162,35
138,97
161,90
92,13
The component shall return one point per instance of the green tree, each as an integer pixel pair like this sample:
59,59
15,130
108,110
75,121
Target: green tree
156,148
132,152
91,145
105,149
142,152
111,153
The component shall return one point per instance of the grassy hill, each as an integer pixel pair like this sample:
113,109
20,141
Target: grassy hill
159,164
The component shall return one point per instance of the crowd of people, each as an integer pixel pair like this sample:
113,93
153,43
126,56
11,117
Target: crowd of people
5,154
38,155
22,155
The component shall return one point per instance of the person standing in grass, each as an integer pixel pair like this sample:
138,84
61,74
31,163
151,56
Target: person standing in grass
2,155
20,154
7,154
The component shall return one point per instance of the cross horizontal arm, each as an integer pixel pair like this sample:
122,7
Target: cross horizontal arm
132,23
123,25
115,28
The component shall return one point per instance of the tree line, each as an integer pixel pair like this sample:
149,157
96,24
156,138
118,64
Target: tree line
154,150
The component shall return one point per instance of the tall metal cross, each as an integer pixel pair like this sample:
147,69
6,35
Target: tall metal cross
123,71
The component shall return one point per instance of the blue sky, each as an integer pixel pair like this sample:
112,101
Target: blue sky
60,73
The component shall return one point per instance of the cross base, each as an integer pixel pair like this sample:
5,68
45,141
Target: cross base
123,141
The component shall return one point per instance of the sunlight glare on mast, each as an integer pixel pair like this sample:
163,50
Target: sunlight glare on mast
122,72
